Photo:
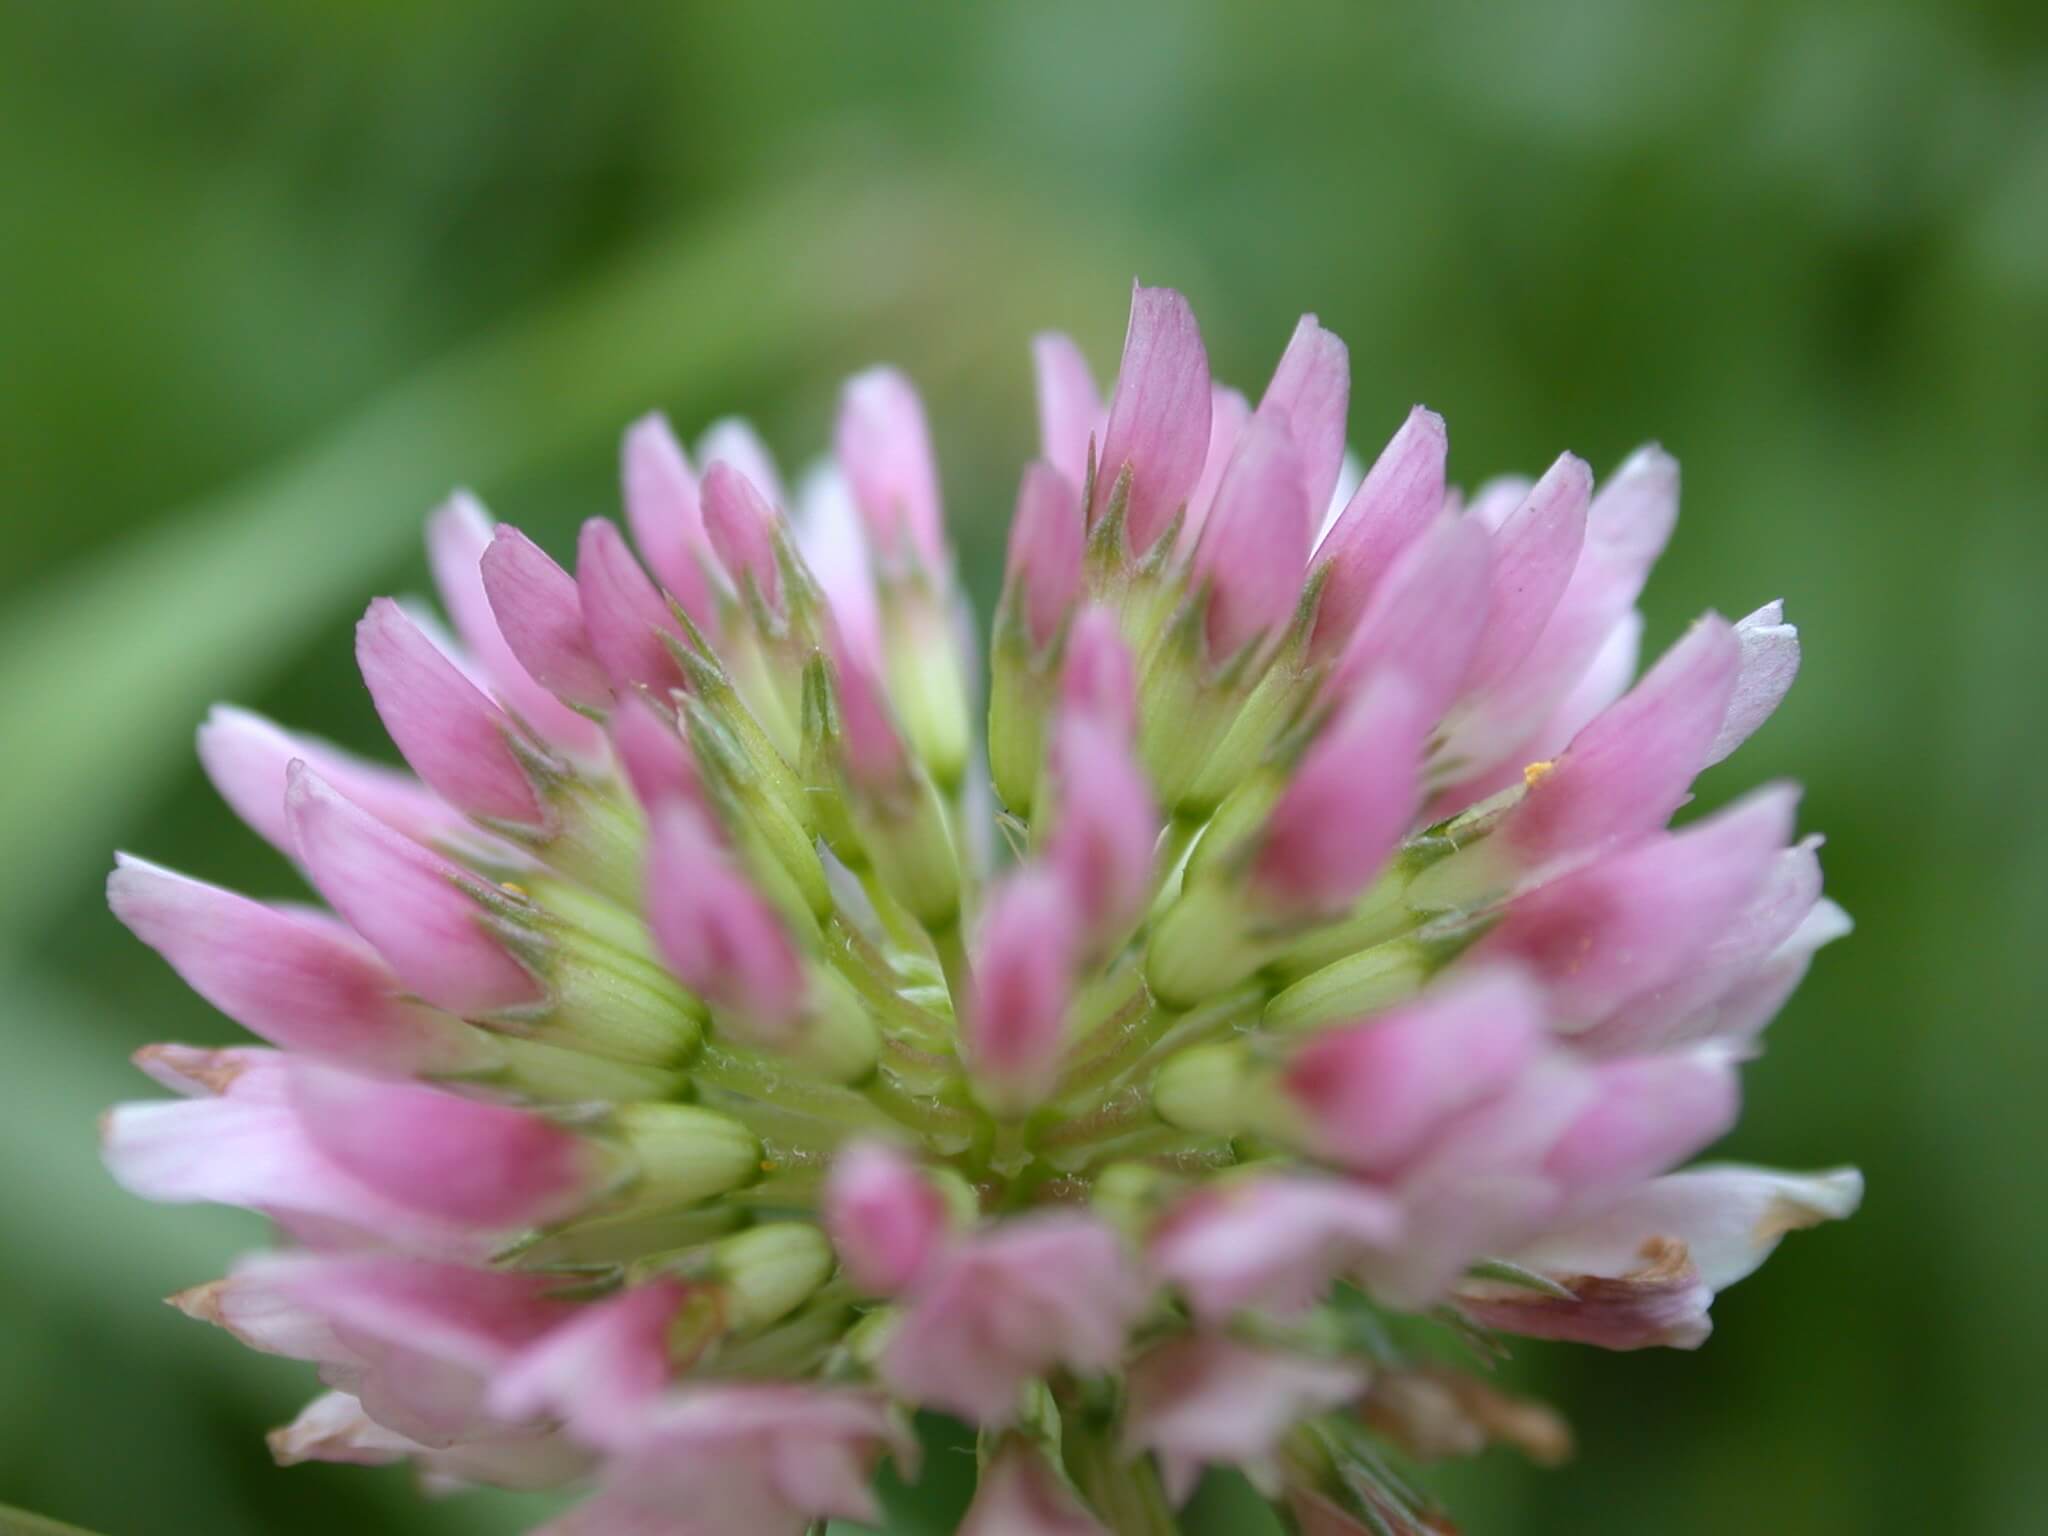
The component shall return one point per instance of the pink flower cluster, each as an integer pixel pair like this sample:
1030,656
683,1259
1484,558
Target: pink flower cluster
719,1046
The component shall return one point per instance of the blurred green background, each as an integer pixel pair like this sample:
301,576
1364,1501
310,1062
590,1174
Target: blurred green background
274,276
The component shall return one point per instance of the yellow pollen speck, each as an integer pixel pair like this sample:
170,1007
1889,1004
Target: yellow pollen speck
1536,771
769,1165
512,890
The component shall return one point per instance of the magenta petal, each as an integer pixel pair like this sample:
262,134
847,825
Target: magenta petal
1636,920
1070,410
458,536
1202,1400
1534,555
1229,411
715,930
455,738
1311,391
598,1370
1046,538
664,512
1158,418
1400,496
1015,1027
656,758
461,1160
1270,1242
885,449
623,613
741,524
1627,771
1353,795
1254,547
1770,662
295,978
1105,825
875,755
1423,618
1098,677
735,442
246,756
885,1218
415,908
540,613
1374,1090
1648,1113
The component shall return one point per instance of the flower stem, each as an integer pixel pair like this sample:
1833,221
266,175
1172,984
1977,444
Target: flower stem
1126,1494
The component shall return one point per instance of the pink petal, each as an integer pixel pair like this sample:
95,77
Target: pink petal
1270,1242
663,510
415,908
1016,1027
1158,418
716,931
1375,1090
1352,797
1206,1400
884,447
1400,496
875,756
1648,1113
828,532
735,441
1229,412
1423,618
1311,392
1104,828
1627,771
1019,1494
457,537
454,737
1534,555
741,523
1046,536
885,1218
297,979
246,756
1098,677
460,1160
656,758
1254,546
623,614
1770,662
599,1370
1639,919
1070,409
1659,1300
540,613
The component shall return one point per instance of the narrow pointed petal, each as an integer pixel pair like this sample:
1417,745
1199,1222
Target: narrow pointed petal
598,1371
654,755
623,613
1070,411
1647,1114
1019,1494
1311,391
1254,546
1229,412
467,1316
1637,920
1423,620
1353,796
1741,1013
1016,1024
716,931
741,524
1098,677
1375,1090
540,613
1534,555
1104,828
1203,1400
828,533
1627,771
453,736
458,536
1009,1305
1770,663
297,979
664,511
1046,536
885,1218
1400,496
1271,1242
246,757
1158,418
885,449
875,755
416,909
733,440
1658,1301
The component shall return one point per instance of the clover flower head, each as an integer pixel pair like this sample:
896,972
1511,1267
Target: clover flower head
718,1047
